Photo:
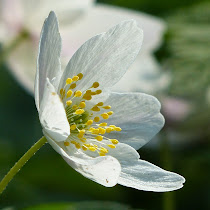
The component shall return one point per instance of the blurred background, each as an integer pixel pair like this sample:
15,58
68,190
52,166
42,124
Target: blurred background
176,71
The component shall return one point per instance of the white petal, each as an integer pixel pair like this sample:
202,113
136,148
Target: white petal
143,175
103,170
101,17
137,114
67,11
22,64
143,76
48,63
105,57
53,116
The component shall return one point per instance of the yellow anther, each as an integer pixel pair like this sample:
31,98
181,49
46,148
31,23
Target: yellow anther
104,150
112,126
74,107
80,75
87,97
75,78
83,140
73,142
66,143
82,131
102,154
114,141
73,127
80,135
95,85
98,92
69,93
78,93
99,138
79,111
96,119
118,129
105,116
68,103
103,124
107,107
88,92
102,130
82,104
95,109
111,146
110,113
91,129
69,81
72,86
108,130
62,91
77,145
95,131
100,104
89,122
84,148
93,149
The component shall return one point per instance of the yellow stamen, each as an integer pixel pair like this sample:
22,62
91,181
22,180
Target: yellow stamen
104,150
111,146
95,109
100,104
98,92
74,107
93,149
110,113
87,97
72,86
105,116
84,148
102,154
62,91
89,122
77,145
103,124
75,78
107,107
79,111
73,127
99,138
78,93
118,129
68,81
66,143
108,130
114,141
80,75
68,103
69,93
96,119
95,85
82,104
95,131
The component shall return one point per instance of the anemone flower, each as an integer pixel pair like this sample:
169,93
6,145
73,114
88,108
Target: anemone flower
97,132
79,21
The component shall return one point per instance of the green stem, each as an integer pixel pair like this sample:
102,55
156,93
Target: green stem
14,170
14,44
168,197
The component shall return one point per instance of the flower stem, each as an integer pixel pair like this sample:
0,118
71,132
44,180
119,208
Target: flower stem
18,165
168,197
11,46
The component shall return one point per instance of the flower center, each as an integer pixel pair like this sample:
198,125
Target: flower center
87,132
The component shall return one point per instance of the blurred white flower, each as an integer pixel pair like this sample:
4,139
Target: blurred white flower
79,21
76,116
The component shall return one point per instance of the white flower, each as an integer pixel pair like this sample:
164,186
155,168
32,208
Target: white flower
97,132
79,21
